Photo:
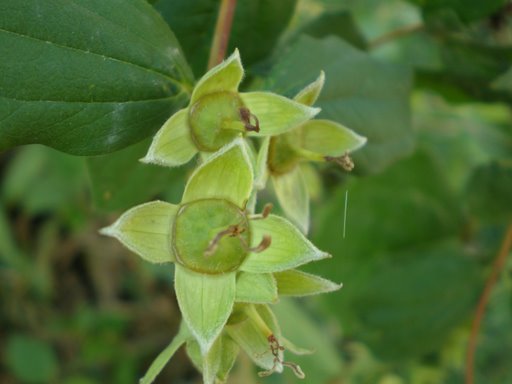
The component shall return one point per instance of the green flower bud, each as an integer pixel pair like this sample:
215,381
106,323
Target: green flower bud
218,114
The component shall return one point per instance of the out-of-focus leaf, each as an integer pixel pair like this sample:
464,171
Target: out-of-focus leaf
43,180
466,10
489,192
397,262
337,23
30,360
257,25
325,363
365,95
415,298
119,181
86,77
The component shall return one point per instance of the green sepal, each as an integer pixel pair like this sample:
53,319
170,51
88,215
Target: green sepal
205,301
261,169
298,283
163,358
230,351
172,144
226,175
211,362
296,350
145,230
292,193
257,288
221,358
252,336
328,138
276,114
313,181
224,77
309,94
288,249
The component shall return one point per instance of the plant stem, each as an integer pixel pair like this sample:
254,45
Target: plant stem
396,34
497,267
222,32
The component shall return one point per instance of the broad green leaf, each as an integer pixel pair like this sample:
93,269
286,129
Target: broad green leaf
421,294
337,23
30,360
163,358
224,77
360,92
309,94
87,77
42,180
226,175
292,193
119,181
276,114
146,230
256,288
329,138
206,302
257,25
172,144
298,283
288,249
423,283
325,363
467,11
489,192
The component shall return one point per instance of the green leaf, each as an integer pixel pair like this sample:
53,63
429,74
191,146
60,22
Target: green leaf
292,193
325,364
419,294
42,180
88,77
257,25
276,114
226,175
163,358
298,283
337,23
423,283
30,360
289,248
467,11
172,144
205,301
224,77
489,192
257,288
360,92
146,230
119,181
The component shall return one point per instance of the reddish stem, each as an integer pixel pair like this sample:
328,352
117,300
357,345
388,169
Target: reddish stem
498,265
222,32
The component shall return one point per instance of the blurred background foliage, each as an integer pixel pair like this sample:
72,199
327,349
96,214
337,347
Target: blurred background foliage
428,82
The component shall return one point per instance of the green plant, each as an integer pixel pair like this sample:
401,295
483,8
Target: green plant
414,230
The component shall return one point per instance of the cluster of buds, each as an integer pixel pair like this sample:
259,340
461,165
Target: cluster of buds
231,263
